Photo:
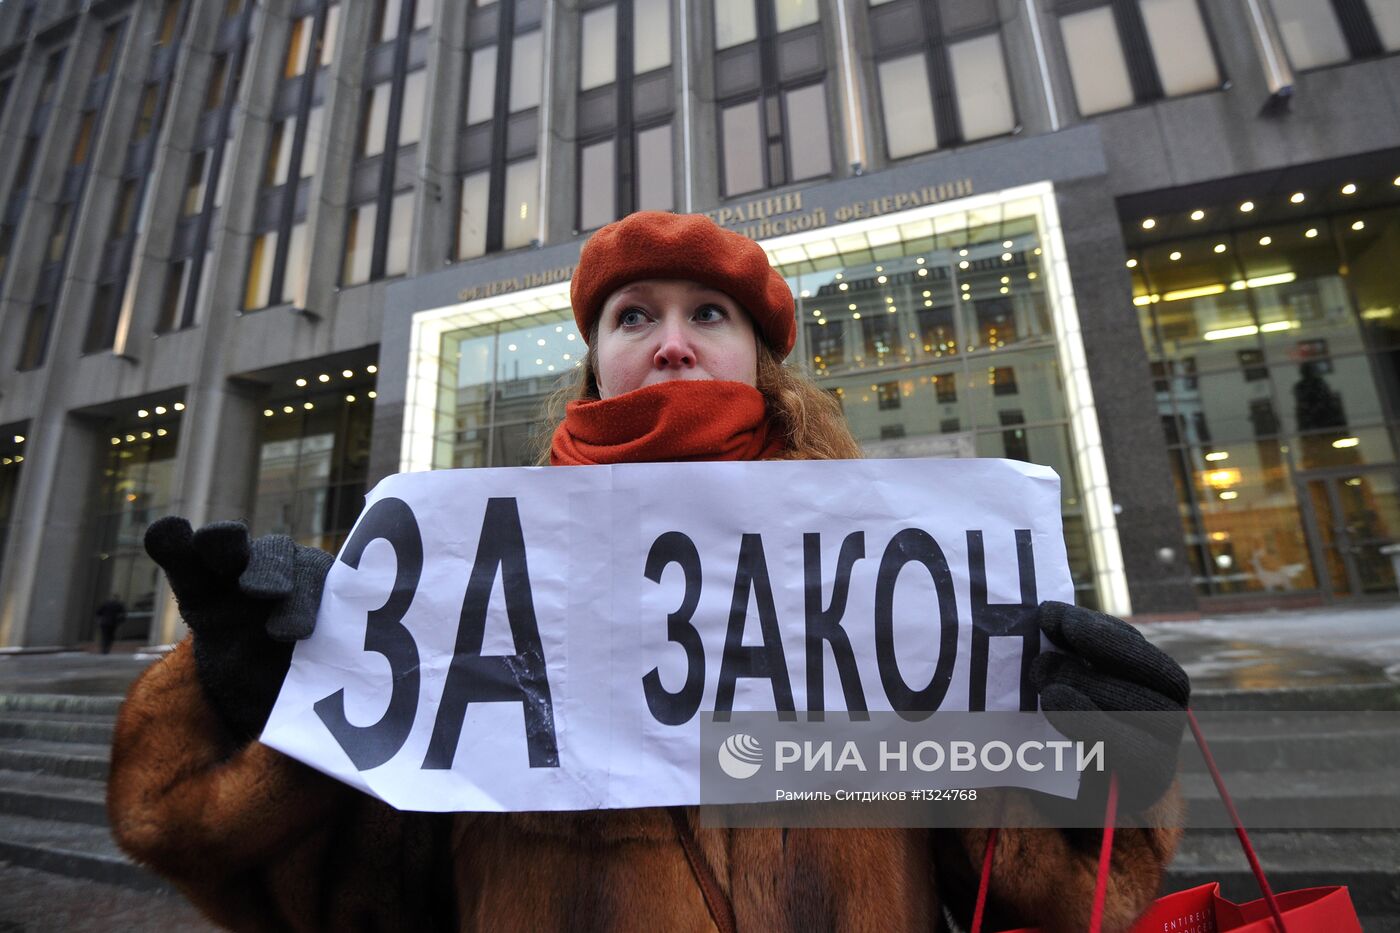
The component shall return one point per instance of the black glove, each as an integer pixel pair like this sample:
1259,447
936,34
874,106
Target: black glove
246,602
1121,690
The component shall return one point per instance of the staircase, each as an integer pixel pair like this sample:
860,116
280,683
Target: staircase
53,778
54,759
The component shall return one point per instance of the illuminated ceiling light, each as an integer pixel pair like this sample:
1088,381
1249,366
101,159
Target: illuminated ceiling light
1198,215
842,286
1037,250
1217,455
927,294
268,412
1246,207
161,432
307,405
559,329
1226,333
806,293
1349,188
1263,281
539,362
1342,443
838,276
1229,494
1143,301
1149,223
540,342
116,440
19,438
179,406
1202,292
1004,289
856,316
1312,232
964,264
323,378
1005,257
511,347
966,297
301,383
1176,255
1359,225
923,272
879,268
1007,245
850,307
882,280
145,435
919,260
130,438
160,409
347,373
1006,280
1397,181
1132,263
142,413
966,286
1220,247
570,336
372,369
372,394
1032,276
287,409
1298,197
928,303
962,252
889,300
1265,240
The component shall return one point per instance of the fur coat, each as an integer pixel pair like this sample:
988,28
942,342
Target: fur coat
261,842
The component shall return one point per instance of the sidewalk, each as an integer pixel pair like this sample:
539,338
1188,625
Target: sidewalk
1310,647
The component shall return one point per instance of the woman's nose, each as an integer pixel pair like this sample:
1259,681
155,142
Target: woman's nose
675,351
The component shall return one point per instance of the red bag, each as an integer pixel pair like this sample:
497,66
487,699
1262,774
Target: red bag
1201,909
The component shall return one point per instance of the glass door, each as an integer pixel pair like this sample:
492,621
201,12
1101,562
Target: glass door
1355,529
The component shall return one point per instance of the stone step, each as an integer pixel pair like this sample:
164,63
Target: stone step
1297,799
102,706
1297,744
66,759
77,850
50,797
55,727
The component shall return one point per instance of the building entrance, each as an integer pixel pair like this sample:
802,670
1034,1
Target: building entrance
1352,518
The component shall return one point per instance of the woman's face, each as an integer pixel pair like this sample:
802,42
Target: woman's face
655,330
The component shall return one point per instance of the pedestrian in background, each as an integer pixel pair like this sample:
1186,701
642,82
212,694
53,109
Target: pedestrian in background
110,616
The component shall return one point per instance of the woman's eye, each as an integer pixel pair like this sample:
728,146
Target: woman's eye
710,313
632,317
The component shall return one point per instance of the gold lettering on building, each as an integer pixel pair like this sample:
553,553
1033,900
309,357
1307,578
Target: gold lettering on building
516,283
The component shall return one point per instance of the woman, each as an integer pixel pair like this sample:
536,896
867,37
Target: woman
687,326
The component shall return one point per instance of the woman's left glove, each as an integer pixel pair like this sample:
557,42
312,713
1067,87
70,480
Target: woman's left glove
1108,683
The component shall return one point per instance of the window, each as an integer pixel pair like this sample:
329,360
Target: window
651,35
423,14
108,51
36,338
770,87
218,75
311,147
298,46
941,73
1315,35
146,114
194,185
326,43
411,114
172,308
888,396
257,289
400,234
655,190
169,21
946,389
597,195
374,120
58,234
1003,380
598,63
1134,51
386,19
359,245
295,277
496,160
83,143
279,152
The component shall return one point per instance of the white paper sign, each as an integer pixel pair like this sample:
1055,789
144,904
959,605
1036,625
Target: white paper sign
550,638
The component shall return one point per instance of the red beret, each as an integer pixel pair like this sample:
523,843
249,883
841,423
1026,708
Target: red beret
659,245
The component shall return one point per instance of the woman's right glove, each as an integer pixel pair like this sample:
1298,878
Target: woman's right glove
247,603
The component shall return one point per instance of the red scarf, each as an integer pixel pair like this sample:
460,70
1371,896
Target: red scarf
674,420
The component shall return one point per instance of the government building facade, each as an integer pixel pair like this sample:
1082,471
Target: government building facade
256,255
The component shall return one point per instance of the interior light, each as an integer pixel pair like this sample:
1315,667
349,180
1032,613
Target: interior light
1220,247
1229,494
130,438
1202,292
842,286
919,261
1176,255
160,409
1005,257
145,435
268,413
1007,245
964,264
1246,207
1198,215
19,438
116,440
1359,225
879,268
1149,223
1265,240
142,413
308,406
923,272
1342,443
881,279
301,383
347,373
1312,232
287,409
161,432
1216,455
323,378
1298,197
961,252
1132,263
1349,188
372,369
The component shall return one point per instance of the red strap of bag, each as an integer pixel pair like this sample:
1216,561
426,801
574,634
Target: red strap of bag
1106,847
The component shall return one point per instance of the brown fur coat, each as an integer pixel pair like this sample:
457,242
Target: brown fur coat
260,842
